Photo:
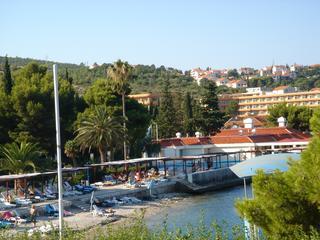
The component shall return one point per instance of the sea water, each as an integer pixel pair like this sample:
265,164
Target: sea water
215,206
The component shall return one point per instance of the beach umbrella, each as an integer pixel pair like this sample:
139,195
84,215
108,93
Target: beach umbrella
268,163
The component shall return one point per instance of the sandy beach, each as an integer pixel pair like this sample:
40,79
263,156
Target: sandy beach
81,220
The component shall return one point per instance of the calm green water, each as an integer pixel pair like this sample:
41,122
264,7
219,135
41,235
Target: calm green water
217,206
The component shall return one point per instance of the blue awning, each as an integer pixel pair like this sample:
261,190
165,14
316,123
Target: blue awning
268,163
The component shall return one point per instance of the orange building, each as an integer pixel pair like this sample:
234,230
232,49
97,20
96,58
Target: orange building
147,99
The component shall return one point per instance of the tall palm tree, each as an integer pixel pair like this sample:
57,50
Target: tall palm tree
17,159
121,72
99,131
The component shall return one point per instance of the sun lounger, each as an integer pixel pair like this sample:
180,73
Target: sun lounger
6,224
97,211
49,193
51,210
23,201
38,193
84,189
69,190
130,200
100,212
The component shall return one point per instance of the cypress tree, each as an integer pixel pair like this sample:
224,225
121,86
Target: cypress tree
67,74
69,79
166,118
178,109
7,77
188,118
212,119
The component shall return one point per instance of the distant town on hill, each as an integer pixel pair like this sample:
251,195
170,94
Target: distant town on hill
149,78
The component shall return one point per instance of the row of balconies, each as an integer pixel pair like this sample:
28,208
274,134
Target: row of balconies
265,106
284,98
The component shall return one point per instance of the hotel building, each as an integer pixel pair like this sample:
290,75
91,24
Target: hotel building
258,103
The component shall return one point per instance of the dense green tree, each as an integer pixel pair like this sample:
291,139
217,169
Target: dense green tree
212,119
166,118
314,122
188,117
222,89
19,158
137,124
297,117
233,73
232,108
285,203
33,104
121,72
102,93
7,77
7,117
100,131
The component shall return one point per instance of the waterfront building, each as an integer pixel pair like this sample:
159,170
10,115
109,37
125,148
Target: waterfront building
248,139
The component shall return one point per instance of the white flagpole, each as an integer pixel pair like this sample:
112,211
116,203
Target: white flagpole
56,104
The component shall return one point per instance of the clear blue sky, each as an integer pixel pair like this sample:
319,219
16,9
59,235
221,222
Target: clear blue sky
177,33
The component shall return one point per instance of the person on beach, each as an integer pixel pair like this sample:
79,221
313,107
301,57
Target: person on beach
33,215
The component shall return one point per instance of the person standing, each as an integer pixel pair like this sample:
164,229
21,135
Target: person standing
33,215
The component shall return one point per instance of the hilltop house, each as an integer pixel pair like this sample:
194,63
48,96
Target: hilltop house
237,84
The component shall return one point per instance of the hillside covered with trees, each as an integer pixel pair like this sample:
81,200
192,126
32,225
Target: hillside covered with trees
146,78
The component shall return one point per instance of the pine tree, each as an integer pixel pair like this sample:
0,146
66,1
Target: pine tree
166,118
7,77
188,118
212,119
69,79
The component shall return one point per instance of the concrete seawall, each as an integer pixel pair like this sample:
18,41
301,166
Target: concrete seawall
209,180
215,176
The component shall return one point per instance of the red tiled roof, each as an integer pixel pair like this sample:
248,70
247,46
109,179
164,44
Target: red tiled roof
171,142
280,88
185,141
195,141
248,131
241,135
232,139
